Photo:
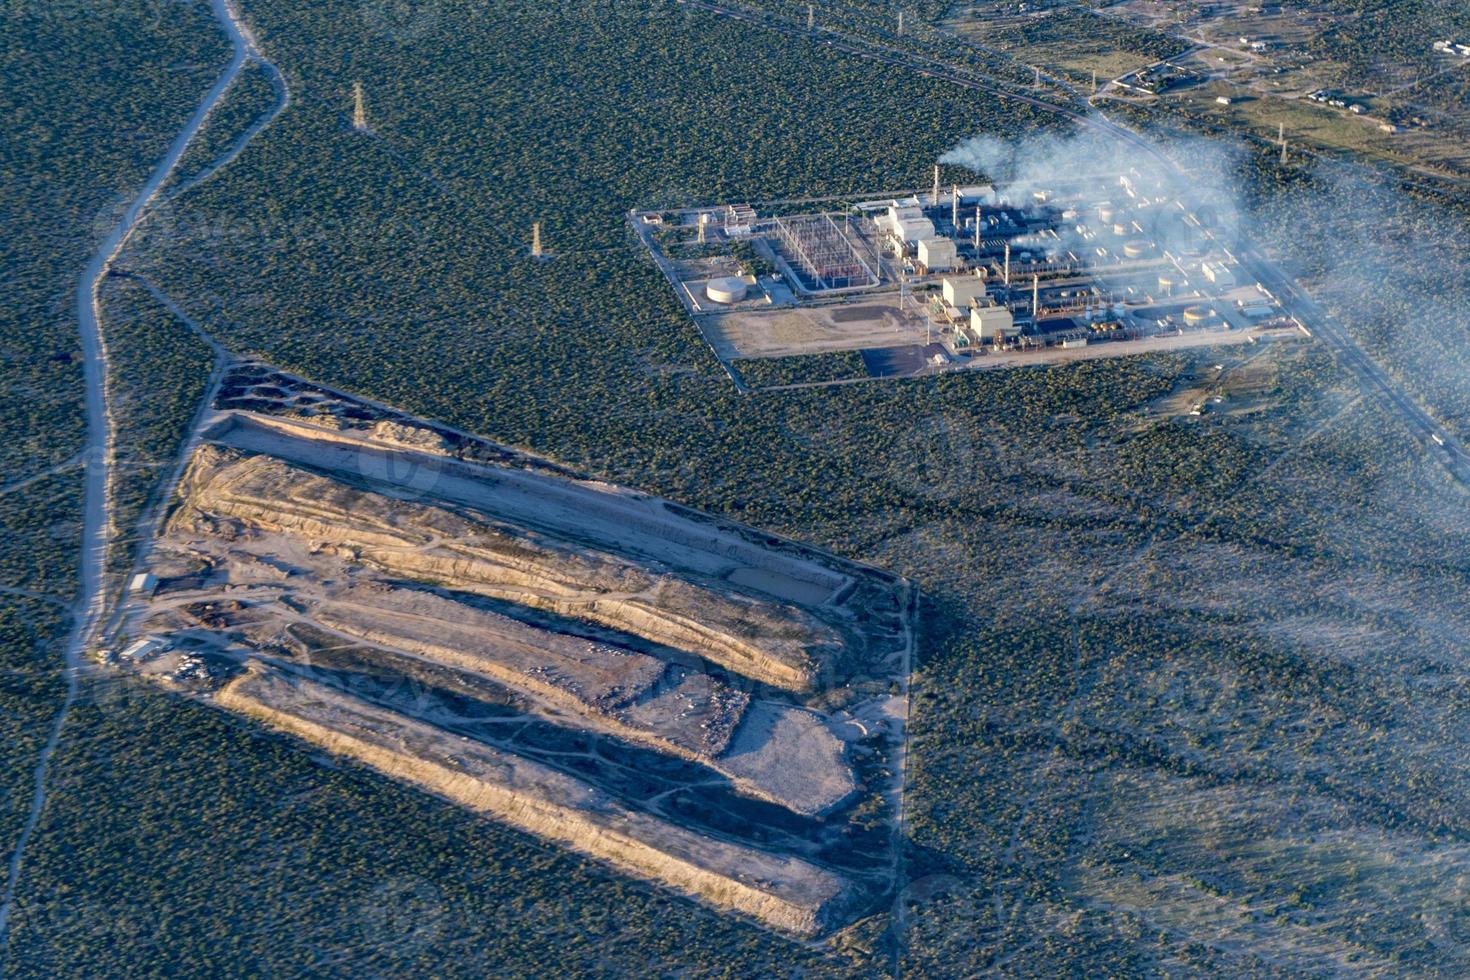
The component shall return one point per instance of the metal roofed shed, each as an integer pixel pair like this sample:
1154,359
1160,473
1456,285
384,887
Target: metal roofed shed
142,649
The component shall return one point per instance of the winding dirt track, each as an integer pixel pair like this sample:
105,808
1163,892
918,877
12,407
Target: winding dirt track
98,456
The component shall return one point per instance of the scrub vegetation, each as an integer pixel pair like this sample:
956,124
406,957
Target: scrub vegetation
1190,687
159,372
834,366
91,96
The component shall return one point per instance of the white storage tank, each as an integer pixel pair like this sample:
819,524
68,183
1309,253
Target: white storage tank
1198,315
726,289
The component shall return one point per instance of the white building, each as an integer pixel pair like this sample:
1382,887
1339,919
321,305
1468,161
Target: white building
976,194
1219,274
937,255
991,323
142,649
961,292
906,225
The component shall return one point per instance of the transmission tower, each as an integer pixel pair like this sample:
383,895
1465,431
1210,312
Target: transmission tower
359,109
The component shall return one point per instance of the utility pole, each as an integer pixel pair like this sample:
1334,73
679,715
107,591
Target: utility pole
900,22
359,109
811,16
1281,134
536,251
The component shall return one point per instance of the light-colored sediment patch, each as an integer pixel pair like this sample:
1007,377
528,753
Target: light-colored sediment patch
782,892
556,653
877,322
768,642
596,515
791,754
782,754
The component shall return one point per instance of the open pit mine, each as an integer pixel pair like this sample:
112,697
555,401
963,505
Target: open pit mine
694,702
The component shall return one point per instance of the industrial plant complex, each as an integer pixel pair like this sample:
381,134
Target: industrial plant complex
960,277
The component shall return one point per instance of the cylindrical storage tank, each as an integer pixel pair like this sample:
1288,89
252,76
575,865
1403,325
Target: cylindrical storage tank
1137,248
726,289
1198,314
1121,228
1168,282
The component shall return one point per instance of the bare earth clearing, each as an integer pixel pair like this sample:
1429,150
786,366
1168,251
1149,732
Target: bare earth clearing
643,683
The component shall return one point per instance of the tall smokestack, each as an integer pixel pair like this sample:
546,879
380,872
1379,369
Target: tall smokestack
977,233
1008,264
936,184
955,206
1035,296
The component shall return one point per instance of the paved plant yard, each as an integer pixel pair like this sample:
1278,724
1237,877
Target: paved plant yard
875,322
1121,348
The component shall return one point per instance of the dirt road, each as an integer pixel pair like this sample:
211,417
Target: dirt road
98,456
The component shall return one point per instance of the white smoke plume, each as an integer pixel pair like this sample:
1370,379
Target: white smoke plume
1195,172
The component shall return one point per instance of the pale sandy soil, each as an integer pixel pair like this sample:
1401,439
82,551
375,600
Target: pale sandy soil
505,593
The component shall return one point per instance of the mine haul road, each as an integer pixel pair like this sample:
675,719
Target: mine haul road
98,455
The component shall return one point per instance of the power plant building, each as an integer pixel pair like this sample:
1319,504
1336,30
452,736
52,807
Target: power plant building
961,292
1219,274
992,323
906,225
937,255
